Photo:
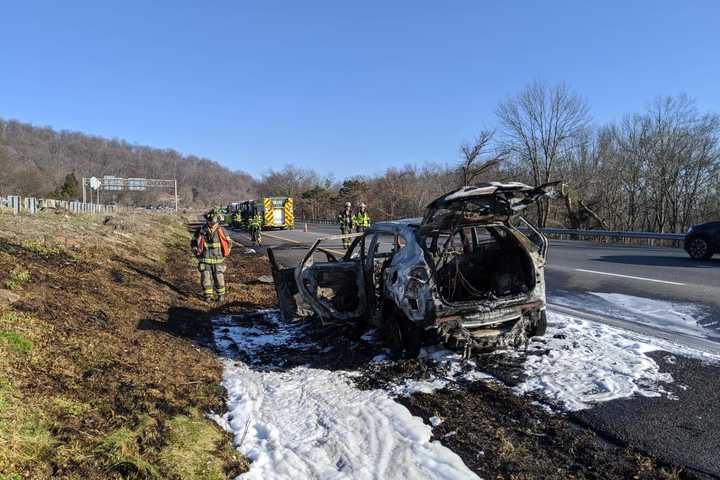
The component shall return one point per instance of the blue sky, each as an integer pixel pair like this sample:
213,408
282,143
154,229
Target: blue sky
342,87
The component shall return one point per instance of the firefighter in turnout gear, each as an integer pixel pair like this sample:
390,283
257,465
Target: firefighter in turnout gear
345,220
361,219
211,245
236,220
256,224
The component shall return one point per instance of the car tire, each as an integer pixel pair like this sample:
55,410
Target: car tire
402,336
393,335
699,249
412,341
540,326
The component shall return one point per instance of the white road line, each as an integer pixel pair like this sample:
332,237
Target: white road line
628,276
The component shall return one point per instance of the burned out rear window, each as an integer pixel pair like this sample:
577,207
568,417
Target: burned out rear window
470,210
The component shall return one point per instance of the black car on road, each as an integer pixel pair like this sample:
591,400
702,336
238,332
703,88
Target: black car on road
703,241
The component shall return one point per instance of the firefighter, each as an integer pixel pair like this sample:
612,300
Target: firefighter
236,220
345,220
256,224
211,245
361,219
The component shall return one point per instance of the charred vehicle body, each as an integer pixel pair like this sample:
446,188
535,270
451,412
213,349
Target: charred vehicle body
462,273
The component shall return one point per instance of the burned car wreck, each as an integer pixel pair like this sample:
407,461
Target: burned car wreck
462,274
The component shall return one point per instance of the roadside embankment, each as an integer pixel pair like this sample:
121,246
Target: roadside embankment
102,369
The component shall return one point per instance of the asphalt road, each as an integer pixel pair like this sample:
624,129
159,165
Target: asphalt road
684,430
657,273
681,431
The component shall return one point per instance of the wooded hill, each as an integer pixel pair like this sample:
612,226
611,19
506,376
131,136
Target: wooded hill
34,161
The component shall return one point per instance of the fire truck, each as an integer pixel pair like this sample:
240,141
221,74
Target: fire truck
277,212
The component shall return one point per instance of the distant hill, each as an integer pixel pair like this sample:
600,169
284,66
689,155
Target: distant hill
35,160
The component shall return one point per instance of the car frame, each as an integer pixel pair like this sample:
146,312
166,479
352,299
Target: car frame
398,285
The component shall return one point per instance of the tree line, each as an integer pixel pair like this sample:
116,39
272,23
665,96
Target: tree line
42,162
654,170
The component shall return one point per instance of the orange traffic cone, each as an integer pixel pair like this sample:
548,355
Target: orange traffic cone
305,228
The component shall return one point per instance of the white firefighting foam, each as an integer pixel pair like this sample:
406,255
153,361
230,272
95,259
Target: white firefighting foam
315,424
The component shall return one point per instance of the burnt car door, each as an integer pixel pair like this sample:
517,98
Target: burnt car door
334,289
381,248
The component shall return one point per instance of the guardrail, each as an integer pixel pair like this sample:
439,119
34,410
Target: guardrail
318,220
613,234
606,236
31,205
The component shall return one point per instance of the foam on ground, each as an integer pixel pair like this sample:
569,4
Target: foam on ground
589,362
315,424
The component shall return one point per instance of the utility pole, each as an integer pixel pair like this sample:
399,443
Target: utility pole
83,183
176,197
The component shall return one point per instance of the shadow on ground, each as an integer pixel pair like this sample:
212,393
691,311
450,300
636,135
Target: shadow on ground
659,261
156,277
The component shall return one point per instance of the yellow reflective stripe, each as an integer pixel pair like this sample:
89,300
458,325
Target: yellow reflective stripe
212,260
213,245
221,290
289,216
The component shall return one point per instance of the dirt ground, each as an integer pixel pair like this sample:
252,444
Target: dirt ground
104,370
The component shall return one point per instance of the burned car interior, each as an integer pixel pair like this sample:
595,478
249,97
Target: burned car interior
463,272
480,263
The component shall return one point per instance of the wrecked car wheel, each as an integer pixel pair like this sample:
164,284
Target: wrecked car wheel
402,336
393,336
539,327
413,339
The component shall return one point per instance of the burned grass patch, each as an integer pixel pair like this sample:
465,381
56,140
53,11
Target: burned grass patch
84,392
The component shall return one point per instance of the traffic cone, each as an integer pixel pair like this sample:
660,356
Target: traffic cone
305,228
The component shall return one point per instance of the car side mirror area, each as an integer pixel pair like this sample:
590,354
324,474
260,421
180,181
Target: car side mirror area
330,257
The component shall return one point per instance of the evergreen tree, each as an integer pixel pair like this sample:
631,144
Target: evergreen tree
70,189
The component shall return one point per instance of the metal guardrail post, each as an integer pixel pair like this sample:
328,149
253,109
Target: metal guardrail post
31,205
14,202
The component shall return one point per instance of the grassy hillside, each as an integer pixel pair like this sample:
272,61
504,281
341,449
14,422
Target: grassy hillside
102,369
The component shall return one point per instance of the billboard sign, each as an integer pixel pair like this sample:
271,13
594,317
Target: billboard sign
136,184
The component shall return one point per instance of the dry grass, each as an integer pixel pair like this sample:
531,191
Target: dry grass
97,379
197,450
17,278
647,465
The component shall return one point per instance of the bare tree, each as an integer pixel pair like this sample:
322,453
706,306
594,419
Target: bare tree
476,159
539,125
